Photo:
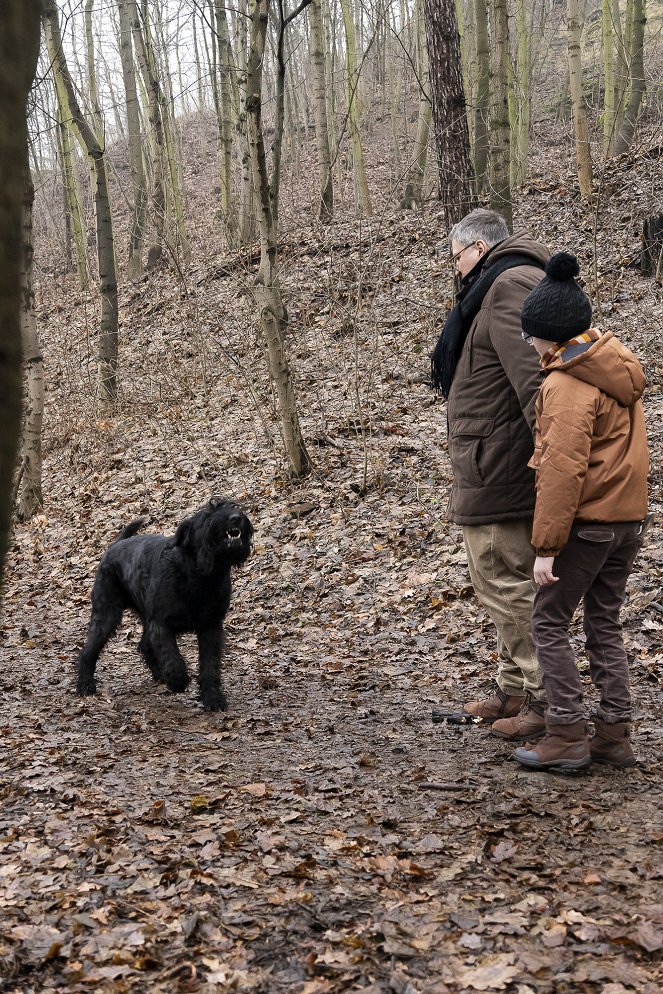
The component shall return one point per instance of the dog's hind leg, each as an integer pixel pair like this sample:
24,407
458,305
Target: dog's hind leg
210,649
108,605
170,661
151,658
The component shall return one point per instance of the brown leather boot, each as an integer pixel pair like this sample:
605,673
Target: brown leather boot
528,724
500,705
611,744
563,747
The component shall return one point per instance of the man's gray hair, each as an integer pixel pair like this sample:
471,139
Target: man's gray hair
489,226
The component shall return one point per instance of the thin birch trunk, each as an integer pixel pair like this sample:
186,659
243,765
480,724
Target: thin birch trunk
72,196
520,144
30,497
609,108
317,56
500,144
351,84
135,144
482,114
225,123
413,193
578,105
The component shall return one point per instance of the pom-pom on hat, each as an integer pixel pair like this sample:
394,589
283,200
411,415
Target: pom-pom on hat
557,309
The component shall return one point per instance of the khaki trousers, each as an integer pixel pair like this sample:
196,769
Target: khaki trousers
501,558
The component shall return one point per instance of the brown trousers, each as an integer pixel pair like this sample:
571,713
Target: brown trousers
593,567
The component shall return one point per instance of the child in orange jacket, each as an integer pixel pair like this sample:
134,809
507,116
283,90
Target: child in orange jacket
591,464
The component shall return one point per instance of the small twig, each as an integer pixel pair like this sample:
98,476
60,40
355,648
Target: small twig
438,785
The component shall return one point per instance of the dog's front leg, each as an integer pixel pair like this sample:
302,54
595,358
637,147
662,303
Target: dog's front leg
210,648
172,665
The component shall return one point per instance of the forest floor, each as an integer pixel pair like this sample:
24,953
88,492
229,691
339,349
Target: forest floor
323,835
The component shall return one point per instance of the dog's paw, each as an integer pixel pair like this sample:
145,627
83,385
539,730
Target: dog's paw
86,688
214,700
177,682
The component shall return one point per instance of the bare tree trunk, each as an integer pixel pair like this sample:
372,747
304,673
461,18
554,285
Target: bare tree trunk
30,497
482,115
414,188
578,105
317,54
138,182
246,218
524,96
500,144
91,74
273,315
352,90
609,107
72,198
636,44
108,330
225,122
457,188
19,48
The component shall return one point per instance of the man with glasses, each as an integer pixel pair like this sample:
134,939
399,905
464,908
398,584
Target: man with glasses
490,381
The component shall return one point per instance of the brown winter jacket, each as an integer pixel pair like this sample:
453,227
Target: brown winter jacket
490,409
591,457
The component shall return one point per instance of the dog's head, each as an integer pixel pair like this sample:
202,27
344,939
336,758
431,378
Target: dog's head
218,534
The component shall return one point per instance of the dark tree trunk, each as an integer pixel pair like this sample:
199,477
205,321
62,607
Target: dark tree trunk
457,187
19,47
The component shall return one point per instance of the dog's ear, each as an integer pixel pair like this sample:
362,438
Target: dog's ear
183,533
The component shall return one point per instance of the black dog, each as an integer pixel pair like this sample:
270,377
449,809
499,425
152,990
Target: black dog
175,584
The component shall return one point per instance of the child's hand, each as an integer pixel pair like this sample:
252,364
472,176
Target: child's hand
543,571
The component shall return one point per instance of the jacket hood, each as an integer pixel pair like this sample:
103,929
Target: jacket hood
607,365
520,243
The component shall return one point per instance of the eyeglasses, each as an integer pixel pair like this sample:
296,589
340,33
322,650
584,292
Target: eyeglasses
527,338
454,258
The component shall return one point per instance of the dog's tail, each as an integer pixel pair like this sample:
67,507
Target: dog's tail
132,528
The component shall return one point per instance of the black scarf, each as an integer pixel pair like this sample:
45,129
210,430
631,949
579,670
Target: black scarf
468,304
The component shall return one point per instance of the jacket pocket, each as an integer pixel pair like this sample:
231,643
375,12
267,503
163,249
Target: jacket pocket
467,435
596,535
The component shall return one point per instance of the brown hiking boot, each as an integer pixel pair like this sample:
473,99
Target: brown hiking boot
500,705
611,744
528,724
564,747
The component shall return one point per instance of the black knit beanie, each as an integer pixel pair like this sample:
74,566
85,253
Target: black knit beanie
557,309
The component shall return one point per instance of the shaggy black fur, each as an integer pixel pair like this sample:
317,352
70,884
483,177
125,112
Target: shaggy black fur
174,584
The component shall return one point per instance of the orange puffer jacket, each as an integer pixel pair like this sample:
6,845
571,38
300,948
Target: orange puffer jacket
590,455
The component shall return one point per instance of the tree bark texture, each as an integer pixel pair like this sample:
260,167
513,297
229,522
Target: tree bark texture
352,91
225,123
30,497
578,105
19,47
500,121
108,328
135,142
457,188
413,193
317,56
273,315
636,47
482,111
